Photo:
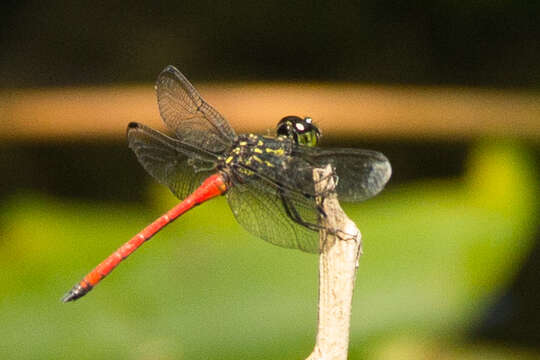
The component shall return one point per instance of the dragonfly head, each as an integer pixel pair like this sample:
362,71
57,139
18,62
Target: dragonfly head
302,131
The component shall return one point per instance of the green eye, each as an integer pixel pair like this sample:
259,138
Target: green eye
308,138
302,131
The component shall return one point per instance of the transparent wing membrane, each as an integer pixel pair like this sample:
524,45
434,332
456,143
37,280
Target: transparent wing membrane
263,211
189,116
170,162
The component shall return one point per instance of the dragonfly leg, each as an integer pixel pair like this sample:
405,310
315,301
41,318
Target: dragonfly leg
291,211
295,216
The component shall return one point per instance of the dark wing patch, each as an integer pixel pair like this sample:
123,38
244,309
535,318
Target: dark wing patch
361,174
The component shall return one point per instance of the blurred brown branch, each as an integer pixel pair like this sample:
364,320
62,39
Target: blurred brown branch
340,110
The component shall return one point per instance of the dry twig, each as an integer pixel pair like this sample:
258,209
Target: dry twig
337,272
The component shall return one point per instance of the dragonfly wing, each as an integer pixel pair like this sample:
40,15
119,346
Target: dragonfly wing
361,174
267,212
188,115
179,166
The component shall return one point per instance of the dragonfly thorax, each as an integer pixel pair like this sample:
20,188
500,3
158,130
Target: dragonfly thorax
254,153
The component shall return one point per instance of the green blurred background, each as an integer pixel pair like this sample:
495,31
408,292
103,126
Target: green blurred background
451,265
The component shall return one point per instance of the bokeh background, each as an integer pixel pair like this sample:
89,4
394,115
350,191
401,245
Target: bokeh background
449,91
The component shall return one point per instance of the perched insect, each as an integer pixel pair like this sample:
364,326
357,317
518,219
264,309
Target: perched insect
268,181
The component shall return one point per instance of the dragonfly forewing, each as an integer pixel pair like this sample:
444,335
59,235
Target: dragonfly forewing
361,174
185,112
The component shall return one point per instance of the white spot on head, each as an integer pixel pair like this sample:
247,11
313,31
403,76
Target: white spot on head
308,120
300,127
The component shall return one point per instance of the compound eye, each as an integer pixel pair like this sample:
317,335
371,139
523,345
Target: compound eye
308,133
287,126
302,131
308,138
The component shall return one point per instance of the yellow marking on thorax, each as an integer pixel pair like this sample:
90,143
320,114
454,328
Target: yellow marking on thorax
257,150
257,159
268,163
278,152
245,171
228,160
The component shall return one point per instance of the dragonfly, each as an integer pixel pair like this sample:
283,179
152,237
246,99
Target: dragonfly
267,180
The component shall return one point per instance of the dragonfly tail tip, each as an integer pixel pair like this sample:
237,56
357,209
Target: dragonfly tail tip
76,292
